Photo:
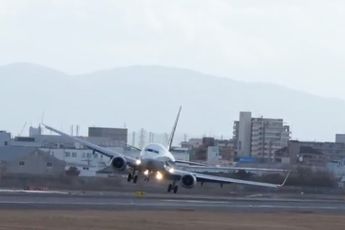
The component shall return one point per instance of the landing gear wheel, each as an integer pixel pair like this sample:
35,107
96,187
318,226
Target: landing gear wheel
175,189
135,179
129,178
170,187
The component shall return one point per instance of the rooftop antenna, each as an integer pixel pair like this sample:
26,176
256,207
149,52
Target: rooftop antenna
42,122
133,138
42,118
22,130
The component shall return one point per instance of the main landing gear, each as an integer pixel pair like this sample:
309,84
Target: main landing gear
173,187
132,177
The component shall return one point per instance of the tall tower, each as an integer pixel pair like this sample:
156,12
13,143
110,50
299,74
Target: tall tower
244,134
151,137
133,138
142,138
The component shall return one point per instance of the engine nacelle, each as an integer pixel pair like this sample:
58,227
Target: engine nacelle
119,163
188,181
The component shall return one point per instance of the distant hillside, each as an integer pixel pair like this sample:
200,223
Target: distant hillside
149,96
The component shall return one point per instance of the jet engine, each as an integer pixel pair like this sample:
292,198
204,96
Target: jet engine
119,163
188,181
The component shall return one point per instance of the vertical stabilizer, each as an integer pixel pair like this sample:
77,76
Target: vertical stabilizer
171,138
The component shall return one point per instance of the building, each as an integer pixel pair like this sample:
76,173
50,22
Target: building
259,137
24,141
5,138
210,149
213,155
143,137
242,133
66,150
300,153
35,131
267,136
29,161
340,138
192,143
110,137
226,150
181,153
337,168
332,150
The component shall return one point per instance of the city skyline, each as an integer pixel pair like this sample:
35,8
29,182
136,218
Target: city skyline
137,96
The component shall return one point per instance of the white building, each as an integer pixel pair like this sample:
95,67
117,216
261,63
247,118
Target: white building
213,155
260,137
242,132
181,153
268,136
83,159
87,162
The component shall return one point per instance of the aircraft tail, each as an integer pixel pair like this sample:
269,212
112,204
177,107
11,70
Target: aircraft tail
171,138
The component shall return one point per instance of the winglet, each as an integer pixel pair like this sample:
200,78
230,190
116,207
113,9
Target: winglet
171,138
287,176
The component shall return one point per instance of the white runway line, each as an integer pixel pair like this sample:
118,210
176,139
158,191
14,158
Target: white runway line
32,191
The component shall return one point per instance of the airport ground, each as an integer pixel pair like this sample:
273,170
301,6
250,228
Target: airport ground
167,220
148,206
128,210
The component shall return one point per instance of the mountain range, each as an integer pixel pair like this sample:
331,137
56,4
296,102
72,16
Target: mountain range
149,96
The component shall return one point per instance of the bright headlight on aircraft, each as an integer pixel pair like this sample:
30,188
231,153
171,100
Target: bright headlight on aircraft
146,172
159,176
138,162
171,170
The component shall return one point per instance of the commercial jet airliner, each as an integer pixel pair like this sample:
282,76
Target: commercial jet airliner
156,160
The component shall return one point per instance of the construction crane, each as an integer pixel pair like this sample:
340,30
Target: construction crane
22,130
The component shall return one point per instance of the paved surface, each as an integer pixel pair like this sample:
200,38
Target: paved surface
137,201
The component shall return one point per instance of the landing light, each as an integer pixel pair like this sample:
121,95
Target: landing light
171,170
159,176
138,162
146,172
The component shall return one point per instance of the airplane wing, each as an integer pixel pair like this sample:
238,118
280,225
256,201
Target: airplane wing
195,164
204,178
233,168
104,151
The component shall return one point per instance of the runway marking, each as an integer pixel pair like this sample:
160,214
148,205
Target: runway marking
32,191
192,204
31,200
198,201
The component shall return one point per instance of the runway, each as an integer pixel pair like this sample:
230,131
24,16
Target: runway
169,202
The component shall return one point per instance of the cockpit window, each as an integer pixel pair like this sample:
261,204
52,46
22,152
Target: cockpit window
152,150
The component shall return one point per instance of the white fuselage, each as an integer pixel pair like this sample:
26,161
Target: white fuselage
156,157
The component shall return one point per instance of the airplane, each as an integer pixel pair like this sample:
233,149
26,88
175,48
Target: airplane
157,160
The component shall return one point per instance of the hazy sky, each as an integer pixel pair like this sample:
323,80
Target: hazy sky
299,43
